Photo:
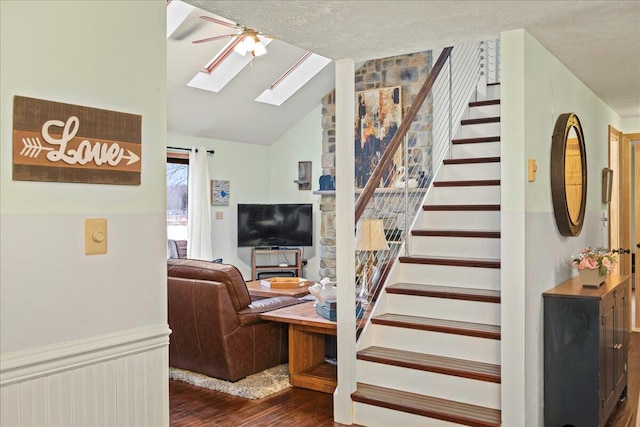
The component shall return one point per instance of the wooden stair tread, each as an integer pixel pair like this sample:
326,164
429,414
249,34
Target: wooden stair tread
458,262
485,102
457,233
432,363
480,121
447,292
461,208
476,140
467,183
468,160
479,330
427,406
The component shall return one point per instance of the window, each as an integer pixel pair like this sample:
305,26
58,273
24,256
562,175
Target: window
177,195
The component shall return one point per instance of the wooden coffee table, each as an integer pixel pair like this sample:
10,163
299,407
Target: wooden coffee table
307,330
257,290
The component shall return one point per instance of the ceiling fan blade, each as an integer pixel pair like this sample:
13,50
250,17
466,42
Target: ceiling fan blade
210,39
219,22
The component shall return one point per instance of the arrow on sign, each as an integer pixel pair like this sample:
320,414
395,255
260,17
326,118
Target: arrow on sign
33,147
133,157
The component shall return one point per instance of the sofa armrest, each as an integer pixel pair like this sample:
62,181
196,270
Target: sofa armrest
251,314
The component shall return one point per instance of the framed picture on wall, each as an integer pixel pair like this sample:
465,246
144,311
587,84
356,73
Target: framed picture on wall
378,116
607,180
220,192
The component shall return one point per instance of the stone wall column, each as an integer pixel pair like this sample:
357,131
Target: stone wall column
408,72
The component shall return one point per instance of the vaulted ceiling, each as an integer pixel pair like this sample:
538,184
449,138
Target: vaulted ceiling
599,41
232,113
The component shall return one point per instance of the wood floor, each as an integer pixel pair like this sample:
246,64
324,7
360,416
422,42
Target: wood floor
192,406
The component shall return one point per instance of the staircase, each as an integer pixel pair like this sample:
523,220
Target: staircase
431,353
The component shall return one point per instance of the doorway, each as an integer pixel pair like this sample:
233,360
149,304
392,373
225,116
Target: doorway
635,228
624,211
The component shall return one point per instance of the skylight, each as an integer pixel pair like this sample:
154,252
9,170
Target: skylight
293,79
177,12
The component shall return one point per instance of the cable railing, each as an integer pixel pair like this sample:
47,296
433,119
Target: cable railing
387,207
492,60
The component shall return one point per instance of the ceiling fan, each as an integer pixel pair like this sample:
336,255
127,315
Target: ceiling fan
246,40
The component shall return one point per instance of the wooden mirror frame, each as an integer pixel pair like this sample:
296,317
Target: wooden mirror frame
566,226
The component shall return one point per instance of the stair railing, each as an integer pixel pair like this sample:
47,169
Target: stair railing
492,60
387,206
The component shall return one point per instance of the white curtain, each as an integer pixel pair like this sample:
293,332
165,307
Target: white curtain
199,216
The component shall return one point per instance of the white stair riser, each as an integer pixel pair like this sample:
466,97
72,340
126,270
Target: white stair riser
460,220
439,344
460,247
493,91
444,308
476,194
448,387
468,171
464,277
375,416
477,149
483,111
478,130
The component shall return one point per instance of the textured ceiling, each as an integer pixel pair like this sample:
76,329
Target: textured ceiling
599,41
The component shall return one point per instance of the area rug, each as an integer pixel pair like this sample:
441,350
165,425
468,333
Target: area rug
254,386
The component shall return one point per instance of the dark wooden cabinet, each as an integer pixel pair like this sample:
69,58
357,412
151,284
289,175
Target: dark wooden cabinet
585,351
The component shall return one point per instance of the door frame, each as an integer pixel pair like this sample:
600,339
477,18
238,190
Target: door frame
620,206
631,137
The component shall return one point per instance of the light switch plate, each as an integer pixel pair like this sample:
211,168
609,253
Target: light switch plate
219,215
533,168
95,236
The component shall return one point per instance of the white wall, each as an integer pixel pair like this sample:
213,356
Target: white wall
303,142
546,88
261,174
102,54
512,227
246,167
631,125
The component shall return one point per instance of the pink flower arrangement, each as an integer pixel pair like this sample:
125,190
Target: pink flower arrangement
594,258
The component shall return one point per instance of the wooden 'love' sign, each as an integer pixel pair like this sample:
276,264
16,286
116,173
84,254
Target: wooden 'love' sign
60,142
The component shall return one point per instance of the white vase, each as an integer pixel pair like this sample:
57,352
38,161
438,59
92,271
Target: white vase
591,277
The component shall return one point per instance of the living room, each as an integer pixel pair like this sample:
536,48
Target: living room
260,174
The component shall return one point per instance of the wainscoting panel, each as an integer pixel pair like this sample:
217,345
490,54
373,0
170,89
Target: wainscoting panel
122,383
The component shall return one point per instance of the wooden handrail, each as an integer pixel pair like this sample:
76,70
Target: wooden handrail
387,156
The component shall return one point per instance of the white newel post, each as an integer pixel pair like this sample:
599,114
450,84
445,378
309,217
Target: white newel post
345,240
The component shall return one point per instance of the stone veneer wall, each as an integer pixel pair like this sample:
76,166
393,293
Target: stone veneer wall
409,72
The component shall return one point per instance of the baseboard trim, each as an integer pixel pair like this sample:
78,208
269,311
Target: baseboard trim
38,362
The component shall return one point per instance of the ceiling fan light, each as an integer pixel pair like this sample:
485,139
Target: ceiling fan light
241,48
259,49
249,43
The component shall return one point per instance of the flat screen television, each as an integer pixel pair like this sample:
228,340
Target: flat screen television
275,225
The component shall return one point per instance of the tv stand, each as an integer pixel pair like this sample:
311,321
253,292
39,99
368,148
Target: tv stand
296,266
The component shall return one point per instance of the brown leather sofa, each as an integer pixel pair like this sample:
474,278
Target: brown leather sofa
216,328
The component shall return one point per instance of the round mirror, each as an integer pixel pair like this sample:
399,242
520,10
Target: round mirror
568,174
573,175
